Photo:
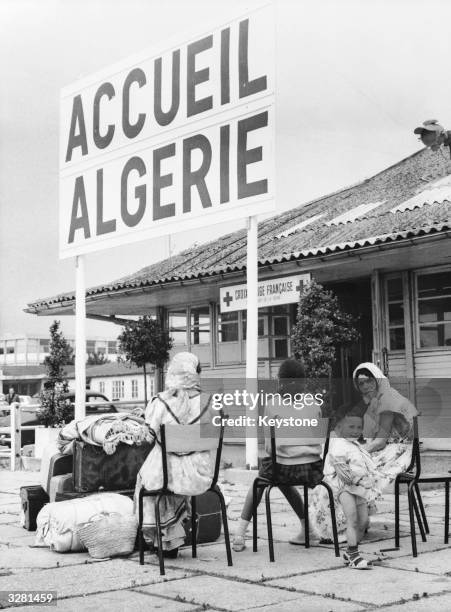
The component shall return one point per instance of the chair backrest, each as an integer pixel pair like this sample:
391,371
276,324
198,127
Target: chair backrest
426,429
305,435
186,439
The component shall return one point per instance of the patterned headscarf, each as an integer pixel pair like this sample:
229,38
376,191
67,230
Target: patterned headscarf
181,378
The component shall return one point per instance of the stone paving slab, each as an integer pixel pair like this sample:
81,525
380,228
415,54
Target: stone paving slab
221,593
424,604
119,601
92,578
25,558
436,562
256,567
311,603
379,586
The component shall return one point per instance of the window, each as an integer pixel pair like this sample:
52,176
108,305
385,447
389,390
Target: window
90,346
10,347
118,389
434,309
228,326
2,350
112,346
134,388
395,314
261,322
102,387
44,344
280,331
178,326
200,325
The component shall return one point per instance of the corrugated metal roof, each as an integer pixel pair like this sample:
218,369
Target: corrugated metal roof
280,240
355,213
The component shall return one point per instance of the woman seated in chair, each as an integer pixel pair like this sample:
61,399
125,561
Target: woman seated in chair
388,429
297,464
188,474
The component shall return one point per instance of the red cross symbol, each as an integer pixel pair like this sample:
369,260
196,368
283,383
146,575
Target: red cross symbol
227,299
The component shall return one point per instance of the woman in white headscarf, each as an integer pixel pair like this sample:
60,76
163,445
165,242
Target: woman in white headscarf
388,429
188,474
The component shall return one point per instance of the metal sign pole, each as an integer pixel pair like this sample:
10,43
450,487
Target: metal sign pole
80,338
252,335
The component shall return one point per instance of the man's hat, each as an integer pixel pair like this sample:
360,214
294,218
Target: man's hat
430,125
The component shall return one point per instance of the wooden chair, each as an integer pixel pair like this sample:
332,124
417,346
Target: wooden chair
185,439
324,427
413,477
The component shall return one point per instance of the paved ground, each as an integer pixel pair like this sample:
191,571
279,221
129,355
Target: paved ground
300,579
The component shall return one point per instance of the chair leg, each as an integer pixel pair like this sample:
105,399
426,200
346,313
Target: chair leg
140,529
254,515
307,526
159,537
225,524
418,515
412,520
396,513
421,506
193,527
269,523
332,517
446,511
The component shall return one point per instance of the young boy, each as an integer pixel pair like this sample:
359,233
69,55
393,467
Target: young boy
355,481
296,463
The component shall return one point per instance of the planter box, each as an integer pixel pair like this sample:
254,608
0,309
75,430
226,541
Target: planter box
31,464
44,437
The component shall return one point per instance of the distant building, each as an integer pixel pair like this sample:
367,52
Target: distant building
27,350
117,381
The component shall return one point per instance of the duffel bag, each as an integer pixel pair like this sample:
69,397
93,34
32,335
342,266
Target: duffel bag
58,522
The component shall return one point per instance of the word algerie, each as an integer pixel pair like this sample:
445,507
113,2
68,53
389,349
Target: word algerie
142,98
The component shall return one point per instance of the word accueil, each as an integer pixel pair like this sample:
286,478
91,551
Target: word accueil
186,131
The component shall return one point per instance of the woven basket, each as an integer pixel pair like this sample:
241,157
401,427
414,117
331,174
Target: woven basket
109,535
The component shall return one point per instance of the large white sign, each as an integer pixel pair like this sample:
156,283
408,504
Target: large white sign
170,140
284,290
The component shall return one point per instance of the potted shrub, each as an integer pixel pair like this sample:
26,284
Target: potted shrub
55,410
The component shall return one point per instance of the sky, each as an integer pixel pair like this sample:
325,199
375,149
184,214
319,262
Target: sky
353,79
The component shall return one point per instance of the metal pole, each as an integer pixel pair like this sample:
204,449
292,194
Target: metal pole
80,337
15,436
252,336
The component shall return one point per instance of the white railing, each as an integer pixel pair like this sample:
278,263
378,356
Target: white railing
12,433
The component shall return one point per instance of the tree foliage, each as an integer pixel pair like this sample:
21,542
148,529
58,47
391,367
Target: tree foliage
97,359
321,329
55,410
144,342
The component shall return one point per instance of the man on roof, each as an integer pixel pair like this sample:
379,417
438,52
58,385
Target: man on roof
433,135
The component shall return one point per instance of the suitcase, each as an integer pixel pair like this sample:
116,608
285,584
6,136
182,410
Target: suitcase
33,498
94,469
55,465
208,513
60,484
65,495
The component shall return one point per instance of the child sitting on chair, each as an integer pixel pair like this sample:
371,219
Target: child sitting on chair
355,480
296,464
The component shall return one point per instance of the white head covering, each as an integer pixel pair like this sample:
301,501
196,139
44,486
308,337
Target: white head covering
182,377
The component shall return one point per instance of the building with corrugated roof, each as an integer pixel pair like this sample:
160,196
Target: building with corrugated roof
383,245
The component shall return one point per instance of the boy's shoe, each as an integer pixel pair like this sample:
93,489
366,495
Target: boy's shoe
359,563
238,543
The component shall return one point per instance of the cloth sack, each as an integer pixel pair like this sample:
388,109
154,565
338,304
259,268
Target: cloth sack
58,522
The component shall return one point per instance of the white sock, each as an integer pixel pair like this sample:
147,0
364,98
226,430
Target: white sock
242,527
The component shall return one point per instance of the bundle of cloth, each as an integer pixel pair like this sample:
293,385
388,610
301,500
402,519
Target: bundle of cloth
105,430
